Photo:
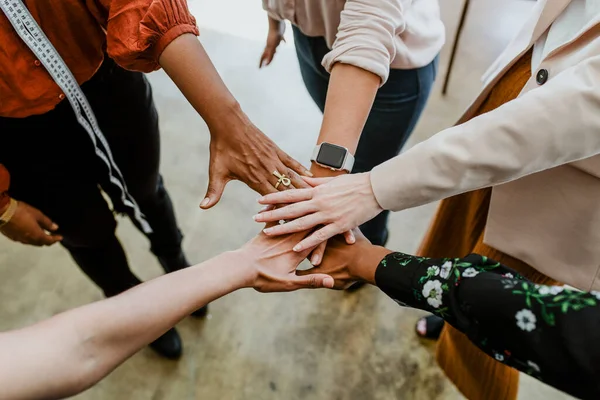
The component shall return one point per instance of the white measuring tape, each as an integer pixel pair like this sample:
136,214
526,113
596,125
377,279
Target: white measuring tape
29,31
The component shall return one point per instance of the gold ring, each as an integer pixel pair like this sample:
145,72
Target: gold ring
282,179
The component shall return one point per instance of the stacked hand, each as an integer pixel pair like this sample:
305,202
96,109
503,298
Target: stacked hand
348,264
239,150
338,204
273,265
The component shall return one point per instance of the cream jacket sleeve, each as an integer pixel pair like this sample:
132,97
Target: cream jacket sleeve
551,125
366,36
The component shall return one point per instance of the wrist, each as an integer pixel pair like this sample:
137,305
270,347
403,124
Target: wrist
229,113
367,261
319,171
245,264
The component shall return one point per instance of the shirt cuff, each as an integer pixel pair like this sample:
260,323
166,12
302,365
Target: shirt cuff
363,57
394,184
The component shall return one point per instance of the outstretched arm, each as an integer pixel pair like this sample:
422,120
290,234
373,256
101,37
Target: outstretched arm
72,351
548,332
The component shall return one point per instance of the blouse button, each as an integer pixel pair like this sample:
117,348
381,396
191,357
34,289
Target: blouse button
37,63
61,96
542,76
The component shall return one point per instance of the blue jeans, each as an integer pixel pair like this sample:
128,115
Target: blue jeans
395,112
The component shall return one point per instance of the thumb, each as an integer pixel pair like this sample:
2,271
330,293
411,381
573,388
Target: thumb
45,222
313,281
216,185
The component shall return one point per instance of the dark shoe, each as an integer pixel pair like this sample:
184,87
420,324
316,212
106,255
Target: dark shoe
201,313
175,263
168,345
430,327
179,262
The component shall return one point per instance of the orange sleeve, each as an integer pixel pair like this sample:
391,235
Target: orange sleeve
139,30
4,184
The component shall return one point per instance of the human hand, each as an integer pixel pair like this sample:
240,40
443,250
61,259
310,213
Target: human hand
340,204
273,265
349,264
274,38
239,150
30,226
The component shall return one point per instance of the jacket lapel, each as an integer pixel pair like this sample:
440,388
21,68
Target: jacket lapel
542,16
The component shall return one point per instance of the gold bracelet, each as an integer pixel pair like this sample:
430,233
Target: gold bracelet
10,211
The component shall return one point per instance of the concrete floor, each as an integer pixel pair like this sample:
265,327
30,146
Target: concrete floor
305,345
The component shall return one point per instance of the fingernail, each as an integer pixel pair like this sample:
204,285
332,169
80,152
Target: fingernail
297,248
256,217
54,227
308,173
268,230
315,259
260,199
204,202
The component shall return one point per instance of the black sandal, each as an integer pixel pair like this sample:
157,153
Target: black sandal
429,327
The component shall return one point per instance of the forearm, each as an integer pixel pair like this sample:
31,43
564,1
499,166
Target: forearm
506,316
189,66
72,351
530,134
350,97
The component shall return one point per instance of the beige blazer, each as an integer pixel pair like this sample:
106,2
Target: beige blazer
538,151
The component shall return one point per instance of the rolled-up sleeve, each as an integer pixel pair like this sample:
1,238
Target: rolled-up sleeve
138,31
4,185
366,36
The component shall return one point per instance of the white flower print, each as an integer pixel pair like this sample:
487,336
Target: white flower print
509,275
432,290
556,289
433,271
499,357
446,268
526,320
544,290
470,272
595,294
533,366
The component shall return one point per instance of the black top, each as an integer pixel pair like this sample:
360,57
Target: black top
549,332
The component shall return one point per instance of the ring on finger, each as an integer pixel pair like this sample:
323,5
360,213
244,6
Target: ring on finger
282,179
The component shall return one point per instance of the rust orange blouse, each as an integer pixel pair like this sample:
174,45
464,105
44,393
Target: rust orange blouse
133,32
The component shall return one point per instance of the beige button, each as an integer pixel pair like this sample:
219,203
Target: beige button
37,63
61,96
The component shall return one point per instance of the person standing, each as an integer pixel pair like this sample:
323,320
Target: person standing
51,171
518,175
369,66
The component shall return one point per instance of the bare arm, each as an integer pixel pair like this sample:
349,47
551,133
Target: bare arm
72,351
350,97
238,149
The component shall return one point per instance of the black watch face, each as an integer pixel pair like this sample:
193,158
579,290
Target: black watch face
331,155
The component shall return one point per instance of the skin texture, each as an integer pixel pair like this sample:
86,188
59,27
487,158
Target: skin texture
91,341
238,149
338,204
30,226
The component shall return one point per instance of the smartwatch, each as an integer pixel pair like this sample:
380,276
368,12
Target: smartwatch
332,156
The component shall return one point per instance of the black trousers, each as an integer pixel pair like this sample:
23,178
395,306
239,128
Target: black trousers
54,168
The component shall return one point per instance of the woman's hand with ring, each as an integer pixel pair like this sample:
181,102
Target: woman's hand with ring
337,204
